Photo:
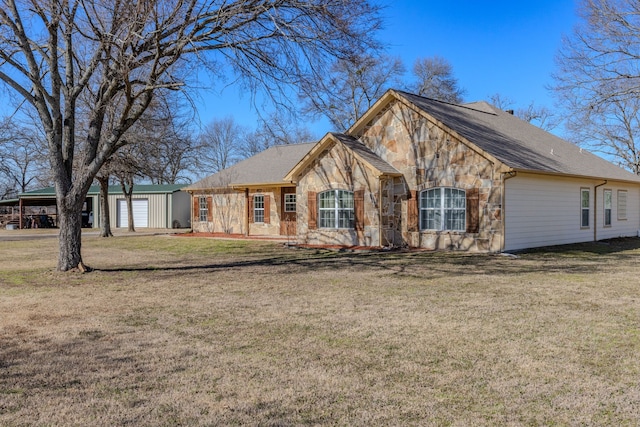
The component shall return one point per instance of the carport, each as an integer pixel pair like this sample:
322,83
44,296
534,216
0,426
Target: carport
37,209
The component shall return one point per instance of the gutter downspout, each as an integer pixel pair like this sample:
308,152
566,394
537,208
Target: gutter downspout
504,177
595,210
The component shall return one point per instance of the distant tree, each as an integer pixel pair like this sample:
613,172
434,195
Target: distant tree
165,132
219,145
54,53
275,129
350,88
597,80
22,163
542,117
435,79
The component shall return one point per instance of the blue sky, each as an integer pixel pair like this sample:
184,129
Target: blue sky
497,46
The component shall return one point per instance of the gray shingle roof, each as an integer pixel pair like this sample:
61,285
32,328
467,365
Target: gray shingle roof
266,167
516,143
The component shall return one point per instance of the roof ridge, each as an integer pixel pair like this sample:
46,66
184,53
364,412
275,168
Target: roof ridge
465,105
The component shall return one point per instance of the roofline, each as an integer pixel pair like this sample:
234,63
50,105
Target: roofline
308,158
319,147
451,131
392,94
94,190
240,186
550,173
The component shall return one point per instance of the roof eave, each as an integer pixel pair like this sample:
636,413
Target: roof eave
578,176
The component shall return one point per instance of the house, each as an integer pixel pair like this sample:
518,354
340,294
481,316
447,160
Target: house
250,197
154,206
417,172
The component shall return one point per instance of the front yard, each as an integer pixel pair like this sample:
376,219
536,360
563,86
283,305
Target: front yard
191,331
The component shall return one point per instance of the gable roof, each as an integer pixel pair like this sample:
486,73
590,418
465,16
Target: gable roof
361,151
265,168
516,143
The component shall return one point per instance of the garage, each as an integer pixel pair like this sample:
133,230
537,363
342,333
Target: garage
140,213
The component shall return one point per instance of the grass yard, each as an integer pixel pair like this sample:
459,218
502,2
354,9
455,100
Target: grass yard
189,331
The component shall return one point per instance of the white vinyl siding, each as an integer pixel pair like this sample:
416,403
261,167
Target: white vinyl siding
544,211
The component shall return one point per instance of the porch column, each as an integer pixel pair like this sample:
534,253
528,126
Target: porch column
246,212
20,212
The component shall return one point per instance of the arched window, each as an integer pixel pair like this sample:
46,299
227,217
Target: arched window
335,209
443,209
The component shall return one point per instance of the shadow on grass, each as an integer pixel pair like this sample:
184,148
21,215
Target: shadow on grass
577,258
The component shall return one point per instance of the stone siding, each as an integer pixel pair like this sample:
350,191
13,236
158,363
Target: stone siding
428,157
229,213
338,169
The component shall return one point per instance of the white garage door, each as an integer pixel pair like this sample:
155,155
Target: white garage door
140,213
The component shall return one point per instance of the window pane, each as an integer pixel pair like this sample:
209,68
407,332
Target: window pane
258,208
434,198
345,200
622,204
607,199
607,217
455,220
345,219
585,198
327,200
289,202
327,218
585,217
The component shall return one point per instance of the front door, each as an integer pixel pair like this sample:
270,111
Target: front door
288,212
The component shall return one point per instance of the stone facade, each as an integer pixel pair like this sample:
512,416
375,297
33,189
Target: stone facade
338,169
428,157
229,212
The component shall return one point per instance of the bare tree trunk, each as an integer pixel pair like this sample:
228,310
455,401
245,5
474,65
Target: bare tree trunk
70,223
105,220
127,196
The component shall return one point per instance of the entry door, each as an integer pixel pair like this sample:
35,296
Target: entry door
288,212
140,213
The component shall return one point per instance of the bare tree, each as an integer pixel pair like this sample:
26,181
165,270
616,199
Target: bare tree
350,88
275,129
22,164
435,79
597,80
105,218
219,145
170,152
122,53
540,116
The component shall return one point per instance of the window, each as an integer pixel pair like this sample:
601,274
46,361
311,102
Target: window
335,209
203,209
290,202
584,207
258,208
622,204
608,202
443,209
